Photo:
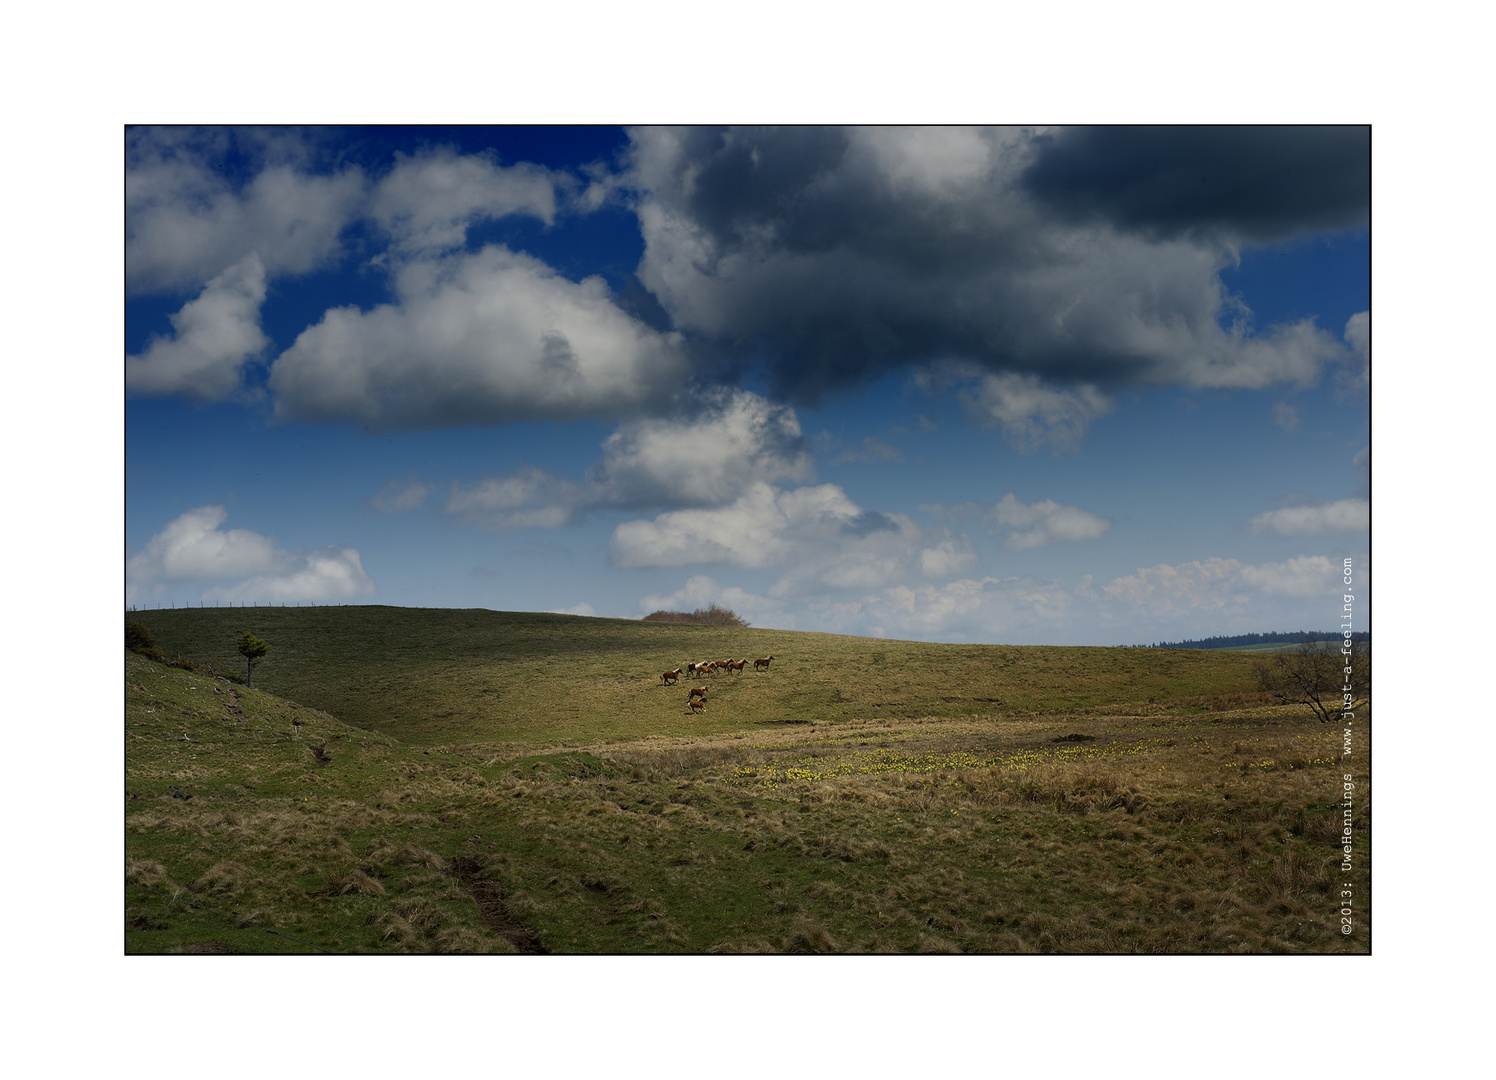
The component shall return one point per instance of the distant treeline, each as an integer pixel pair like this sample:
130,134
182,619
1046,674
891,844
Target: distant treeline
714,615
1259,639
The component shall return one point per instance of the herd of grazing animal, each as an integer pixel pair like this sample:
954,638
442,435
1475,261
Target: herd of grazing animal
696,700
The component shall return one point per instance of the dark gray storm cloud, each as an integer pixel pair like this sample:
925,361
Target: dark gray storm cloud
827,257
739,184
1257,183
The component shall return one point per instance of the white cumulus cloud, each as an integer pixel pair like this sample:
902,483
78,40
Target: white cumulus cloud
753,531
1215,584
1286,416
701,591
989,608
427,201
1045,522
330,573
485,338
1033,414
708,456
402,495
1344,515
213,337
1208,596
193,548
824,536
185,222
529,498
1358,336
1208,583
1304,575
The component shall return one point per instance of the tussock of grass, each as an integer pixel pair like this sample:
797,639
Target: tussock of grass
355,881
460,939
224,877
810,936
410,855
146,872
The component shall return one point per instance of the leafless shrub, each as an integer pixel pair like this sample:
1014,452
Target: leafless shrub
1318,675
711,615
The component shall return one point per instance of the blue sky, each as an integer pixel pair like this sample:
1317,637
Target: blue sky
1072,386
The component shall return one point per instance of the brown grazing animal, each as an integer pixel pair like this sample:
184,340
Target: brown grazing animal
699,691
668,677
696,705
763,663
737,666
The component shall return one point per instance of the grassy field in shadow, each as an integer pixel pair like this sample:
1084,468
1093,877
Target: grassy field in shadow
404,780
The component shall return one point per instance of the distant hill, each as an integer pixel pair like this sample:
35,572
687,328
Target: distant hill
1264,641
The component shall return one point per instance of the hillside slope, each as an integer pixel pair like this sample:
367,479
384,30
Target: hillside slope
436,676
239,809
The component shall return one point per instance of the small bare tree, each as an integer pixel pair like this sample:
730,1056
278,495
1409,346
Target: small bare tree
1321,675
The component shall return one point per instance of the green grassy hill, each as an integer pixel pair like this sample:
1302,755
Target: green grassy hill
405,780
434,676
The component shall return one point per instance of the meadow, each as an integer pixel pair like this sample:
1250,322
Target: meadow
409,780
